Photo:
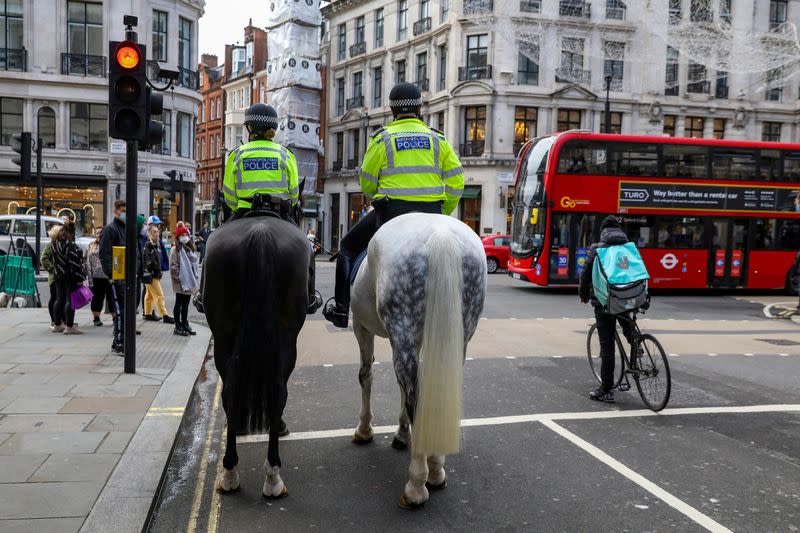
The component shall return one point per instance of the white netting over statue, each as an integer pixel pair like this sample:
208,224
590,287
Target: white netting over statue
702,36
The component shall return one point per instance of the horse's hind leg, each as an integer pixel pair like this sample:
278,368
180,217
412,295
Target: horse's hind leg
437,479
366,344
415,493
230,476
273,484
403,436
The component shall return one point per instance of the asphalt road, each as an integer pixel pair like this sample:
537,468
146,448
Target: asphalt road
732,460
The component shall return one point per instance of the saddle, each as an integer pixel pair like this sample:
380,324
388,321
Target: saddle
356,266
271,206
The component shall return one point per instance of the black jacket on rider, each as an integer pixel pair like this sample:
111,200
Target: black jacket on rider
611,235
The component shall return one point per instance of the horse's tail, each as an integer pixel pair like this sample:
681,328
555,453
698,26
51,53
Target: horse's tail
254,368
437,421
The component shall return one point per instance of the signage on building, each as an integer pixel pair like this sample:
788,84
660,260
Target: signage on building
505,178
650,195
117,147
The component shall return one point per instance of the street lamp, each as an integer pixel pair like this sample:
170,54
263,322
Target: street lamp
607,117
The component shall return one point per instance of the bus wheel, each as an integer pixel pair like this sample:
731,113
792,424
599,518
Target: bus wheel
491,265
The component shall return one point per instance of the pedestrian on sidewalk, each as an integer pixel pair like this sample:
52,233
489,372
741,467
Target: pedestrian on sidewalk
114,235
183,271
98,281
151,258
47,263
69,274
202,240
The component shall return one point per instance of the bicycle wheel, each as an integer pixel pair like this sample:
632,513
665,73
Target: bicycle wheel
593,353
652,374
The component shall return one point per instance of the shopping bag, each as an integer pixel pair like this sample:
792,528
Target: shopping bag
80,297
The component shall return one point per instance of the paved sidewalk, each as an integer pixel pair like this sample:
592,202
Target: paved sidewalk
78,437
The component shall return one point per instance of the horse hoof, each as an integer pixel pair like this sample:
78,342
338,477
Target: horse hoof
397,444
358,439
283,494
440,486
222,490
405,503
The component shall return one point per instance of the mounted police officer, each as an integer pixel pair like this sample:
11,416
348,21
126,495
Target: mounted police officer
408,167
263,167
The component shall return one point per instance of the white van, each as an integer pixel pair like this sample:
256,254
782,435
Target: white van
14,227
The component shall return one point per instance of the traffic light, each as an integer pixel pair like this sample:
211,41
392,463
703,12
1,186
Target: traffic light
22,145
171,187
155,129
127,91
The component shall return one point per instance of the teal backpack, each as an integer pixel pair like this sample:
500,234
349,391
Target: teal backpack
619,278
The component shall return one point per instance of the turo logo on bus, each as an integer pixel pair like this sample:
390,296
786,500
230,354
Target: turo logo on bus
566,201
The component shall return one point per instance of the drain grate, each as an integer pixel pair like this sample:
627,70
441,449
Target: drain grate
780,342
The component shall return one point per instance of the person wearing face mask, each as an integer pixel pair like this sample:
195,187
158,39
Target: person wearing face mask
183,264
114,235
98,281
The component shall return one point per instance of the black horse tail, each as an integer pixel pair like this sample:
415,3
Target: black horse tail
255,350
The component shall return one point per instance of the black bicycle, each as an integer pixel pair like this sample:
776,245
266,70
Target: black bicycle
647,363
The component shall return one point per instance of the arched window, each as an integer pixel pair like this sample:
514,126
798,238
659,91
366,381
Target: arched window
212,149
46,127
203,149
219,147
219,109
213,110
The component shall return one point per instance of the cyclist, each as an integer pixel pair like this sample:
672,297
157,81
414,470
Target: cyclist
610,235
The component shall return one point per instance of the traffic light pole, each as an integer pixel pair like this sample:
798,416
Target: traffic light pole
131,246
39,202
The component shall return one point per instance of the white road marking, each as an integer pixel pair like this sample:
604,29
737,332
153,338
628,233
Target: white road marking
674,502
327,365
767,308
540,319
784,354
470,358
712,355
748,355
521,419
510,357
675,355
558,357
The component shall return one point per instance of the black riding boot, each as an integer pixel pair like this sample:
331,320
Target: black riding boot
338,311
314,298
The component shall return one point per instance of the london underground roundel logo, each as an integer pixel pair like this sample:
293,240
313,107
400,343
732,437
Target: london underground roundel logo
669,261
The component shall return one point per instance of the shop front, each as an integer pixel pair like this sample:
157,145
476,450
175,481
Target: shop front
172,211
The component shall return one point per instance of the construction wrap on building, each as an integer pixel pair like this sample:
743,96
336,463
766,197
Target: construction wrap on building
295,85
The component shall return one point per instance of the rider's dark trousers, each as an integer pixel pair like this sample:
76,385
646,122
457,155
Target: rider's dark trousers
605,330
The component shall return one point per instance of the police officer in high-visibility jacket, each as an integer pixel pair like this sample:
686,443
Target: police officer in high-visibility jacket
261,166
408,166
264,167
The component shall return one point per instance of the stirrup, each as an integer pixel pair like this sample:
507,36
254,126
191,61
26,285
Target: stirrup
315,304
332,314
197,301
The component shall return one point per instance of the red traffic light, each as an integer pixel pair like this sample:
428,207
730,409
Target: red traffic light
127,55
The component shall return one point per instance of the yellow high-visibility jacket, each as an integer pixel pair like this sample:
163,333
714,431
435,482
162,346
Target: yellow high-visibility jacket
259,167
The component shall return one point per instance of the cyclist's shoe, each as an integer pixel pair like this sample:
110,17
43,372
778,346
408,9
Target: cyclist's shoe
624,387
600,395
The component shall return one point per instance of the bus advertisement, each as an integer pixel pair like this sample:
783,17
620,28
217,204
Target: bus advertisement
704,213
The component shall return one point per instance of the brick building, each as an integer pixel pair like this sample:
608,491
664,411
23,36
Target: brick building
210,138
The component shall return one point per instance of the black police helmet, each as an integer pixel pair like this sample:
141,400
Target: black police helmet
405,98
261,117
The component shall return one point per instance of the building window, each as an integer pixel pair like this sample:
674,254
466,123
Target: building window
568,119
530,6
11,35
213,109
185,134
694,127
614,63
778,13
440,121
160,41
524,126
219,108
360,30
88,126
219,146
698,78
212,147
185,43
424,9
402,20
46,127
10,119
358,89
719,128
477,51
85,37
675,12
669,125
339,151
400,71
771,131
571,66
616,122
444,10
774,90
342,46
700,11
671,83
725,16
422,71
379,28
442,68
528,65
474,130
721,89
340,96
615,9
166,140
377,87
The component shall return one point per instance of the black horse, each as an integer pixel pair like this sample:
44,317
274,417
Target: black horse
255,294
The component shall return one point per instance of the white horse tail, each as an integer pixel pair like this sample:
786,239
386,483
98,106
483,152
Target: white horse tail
437,421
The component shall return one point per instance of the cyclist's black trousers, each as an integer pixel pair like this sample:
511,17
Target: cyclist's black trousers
605,330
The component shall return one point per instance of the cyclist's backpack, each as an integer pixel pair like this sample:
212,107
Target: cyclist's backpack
619,278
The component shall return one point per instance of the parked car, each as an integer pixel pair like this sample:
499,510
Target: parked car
496,248
16,227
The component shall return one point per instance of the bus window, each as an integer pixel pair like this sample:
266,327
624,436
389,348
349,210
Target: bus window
527,230
789,235
769,166
634,160
791,166
766,232
639,230
579,157
679,232
685,161
733,164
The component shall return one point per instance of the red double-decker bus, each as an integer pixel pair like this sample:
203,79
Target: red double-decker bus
703,212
